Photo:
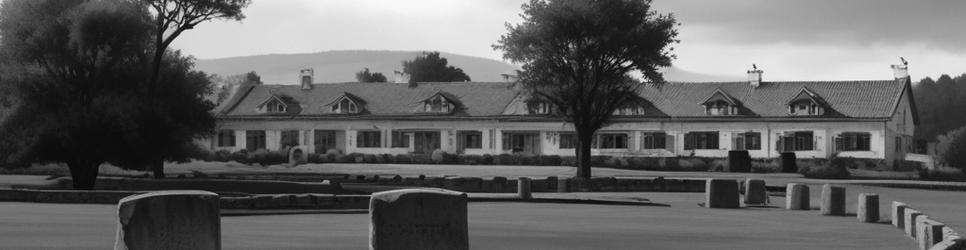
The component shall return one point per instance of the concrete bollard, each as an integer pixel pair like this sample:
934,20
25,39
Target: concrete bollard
562,185
755,192
868,208
183,219
929,233
833,200
909,221
418,219
898,214
797,197
721,193
523,188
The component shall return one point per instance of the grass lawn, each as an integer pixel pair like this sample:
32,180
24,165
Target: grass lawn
684,225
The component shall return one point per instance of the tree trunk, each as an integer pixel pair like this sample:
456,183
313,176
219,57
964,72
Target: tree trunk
158,167
83,174
584,140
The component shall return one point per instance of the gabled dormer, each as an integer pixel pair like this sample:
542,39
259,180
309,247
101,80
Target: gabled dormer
278,104
439,103
720,103
635,107
345,104
539,106
806,103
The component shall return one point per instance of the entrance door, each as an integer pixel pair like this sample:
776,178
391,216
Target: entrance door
324,140
525,143
425,142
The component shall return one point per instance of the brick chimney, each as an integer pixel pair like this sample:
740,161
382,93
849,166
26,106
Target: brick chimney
754,76
306,76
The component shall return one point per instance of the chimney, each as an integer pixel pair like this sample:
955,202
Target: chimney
754,76
901,71
306,76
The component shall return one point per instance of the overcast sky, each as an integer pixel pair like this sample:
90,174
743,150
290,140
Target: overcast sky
789,40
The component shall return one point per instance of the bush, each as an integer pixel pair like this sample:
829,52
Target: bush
950,149
766,166
837,168
437,156
402,159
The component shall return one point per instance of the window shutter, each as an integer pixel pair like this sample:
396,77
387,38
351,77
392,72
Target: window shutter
815,143
839,144
734,141
688,141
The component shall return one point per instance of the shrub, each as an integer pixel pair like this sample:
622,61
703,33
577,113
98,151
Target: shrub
837,168
450,158
487,159
942,174
422,159
402,159
437,156
950,148
765,166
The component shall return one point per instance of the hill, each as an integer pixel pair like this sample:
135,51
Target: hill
341,66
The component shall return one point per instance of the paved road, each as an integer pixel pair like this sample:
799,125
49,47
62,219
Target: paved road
500,225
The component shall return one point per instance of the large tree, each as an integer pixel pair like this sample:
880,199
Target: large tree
365,76
80,73
430,67
578,54
171,19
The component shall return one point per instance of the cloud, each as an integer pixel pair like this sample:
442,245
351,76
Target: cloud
853,22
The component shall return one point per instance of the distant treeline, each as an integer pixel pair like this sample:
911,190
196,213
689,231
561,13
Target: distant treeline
942,105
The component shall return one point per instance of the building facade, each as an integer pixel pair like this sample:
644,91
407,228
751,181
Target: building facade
814,119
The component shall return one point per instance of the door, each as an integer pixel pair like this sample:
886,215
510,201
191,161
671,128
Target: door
425,142
324,140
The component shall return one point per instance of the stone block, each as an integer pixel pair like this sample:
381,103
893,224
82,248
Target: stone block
721,193
169,220
304,201
418,219
755,192
262,201
833,200
909,221
898,214
282,200
867,209
797,197
523,188
930,233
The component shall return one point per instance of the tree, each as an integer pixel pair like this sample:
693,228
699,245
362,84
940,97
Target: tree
366,76
171,19
430,67
81,75
76,63
951,148
225,85
938,103
577,54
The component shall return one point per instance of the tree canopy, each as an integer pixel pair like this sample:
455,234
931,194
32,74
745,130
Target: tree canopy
940,103
365,76
81,72
430,67
577,55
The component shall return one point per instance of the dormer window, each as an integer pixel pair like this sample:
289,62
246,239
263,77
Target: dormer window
275,107
538,108
720,103
806,103
346,104
439,103
630,110
275,104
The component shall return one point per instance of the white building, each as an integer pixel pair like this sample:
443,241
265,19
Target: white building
821,119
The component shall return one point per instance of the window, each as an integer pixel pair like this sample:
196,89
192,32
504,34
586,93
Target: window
898,144
629,111
437,104
719,107
701,140
289,138
612,141
804,107
254,139
345,106
853,141
654,140
797,141
568,140
538,108
275,106
472,139
400,139
746,141
226,138
369,139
